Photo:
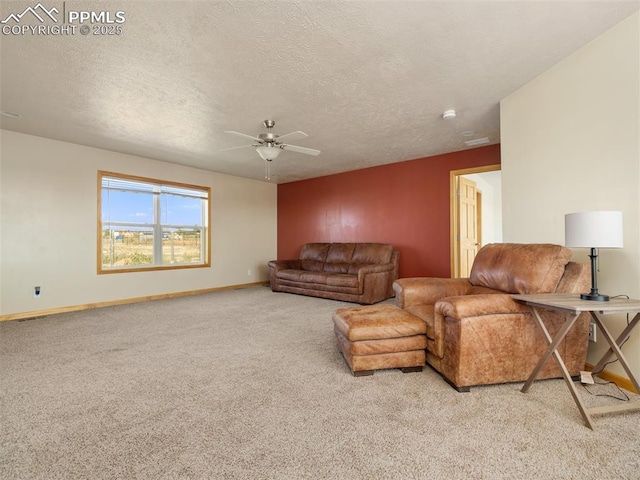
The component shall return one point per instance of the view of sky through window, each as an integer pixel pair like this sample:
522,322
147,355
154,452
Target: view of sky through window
137,207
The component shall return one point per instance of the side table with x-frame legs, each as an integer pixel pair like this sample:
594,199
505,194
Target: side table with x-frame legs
573,306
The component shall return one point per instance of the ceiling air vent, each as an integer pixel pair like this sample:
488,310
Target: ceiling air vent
477,141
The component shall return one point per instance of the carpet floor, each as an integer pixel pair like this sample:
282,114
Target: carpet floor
249,384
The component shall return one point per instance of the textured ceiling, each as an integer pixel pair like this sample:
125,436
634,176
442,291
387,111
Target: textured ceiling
366,80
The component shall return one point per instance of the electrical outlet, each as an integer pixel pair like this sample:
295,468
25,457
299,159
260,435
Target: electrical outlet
592,332
36,292
248,272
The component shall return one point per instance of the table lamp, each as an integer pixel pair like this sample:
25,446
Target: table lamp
593,230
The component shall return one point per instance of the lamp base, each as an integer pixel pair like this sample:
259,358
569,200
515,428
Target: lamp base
594,296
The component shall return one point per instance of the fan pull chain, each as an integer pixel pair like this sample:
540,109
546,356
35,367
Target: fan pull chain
267,169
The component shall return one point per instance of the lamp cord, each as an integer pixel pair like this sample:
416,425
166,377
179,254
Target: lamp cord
625,399
615,359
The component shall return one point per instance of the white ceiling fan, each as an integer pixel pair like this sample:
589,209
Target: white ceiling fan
269,145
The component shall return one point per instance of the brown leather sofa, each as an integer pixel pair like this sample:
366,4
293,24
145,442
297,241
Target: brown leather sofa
478,335
352,272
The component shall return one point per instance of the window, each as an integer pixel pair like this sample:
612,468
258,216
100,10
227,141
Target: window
147,224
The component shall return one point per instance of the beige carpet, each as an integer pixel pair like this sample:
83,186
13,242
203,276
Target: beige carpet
249,384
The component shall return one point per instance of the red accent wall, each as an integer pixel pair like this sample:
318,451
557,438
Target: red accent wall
406,204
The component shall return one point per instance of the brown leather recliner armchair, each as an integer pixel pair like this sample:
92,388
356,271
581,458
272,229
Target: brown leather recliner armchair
478,335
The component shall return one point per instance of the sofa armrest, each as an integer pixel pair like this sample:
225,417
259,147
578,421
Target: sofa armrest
427,291
373,268
478,305
276,265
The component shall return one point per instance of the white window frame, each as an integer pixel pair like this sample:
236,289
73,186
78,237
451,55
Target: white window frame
123,182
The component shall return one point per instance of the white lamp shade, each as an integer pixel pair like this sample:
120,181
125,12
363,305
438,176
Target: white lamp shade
593,230
267,152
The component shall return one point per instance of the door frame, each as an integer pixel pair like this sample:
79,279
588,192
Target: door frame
453,210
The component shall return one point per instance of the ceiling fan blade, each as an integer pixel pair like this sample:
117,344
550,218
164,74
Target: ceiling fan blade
305,150
233,148
243,135
297,133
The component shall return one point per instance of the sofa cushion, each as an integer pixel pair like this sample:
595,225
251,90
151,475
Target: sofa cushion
339,257
368,253
520,268
302,276
313,256
290,274
479,291
313,277
319,278
342,280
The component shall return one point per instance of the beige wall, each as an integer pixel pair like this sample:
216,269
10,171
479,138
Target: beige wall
48,221
571,143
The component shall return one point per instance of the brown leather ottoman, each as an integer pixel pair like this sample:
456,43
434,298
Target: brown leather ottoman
380,336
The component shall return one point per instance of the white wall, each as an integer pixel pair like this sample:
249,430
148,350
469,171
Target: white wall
571,143
48,203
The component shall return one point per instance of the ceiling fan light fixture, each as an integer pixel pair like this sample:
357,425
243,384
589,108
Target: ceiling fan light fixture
268,152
